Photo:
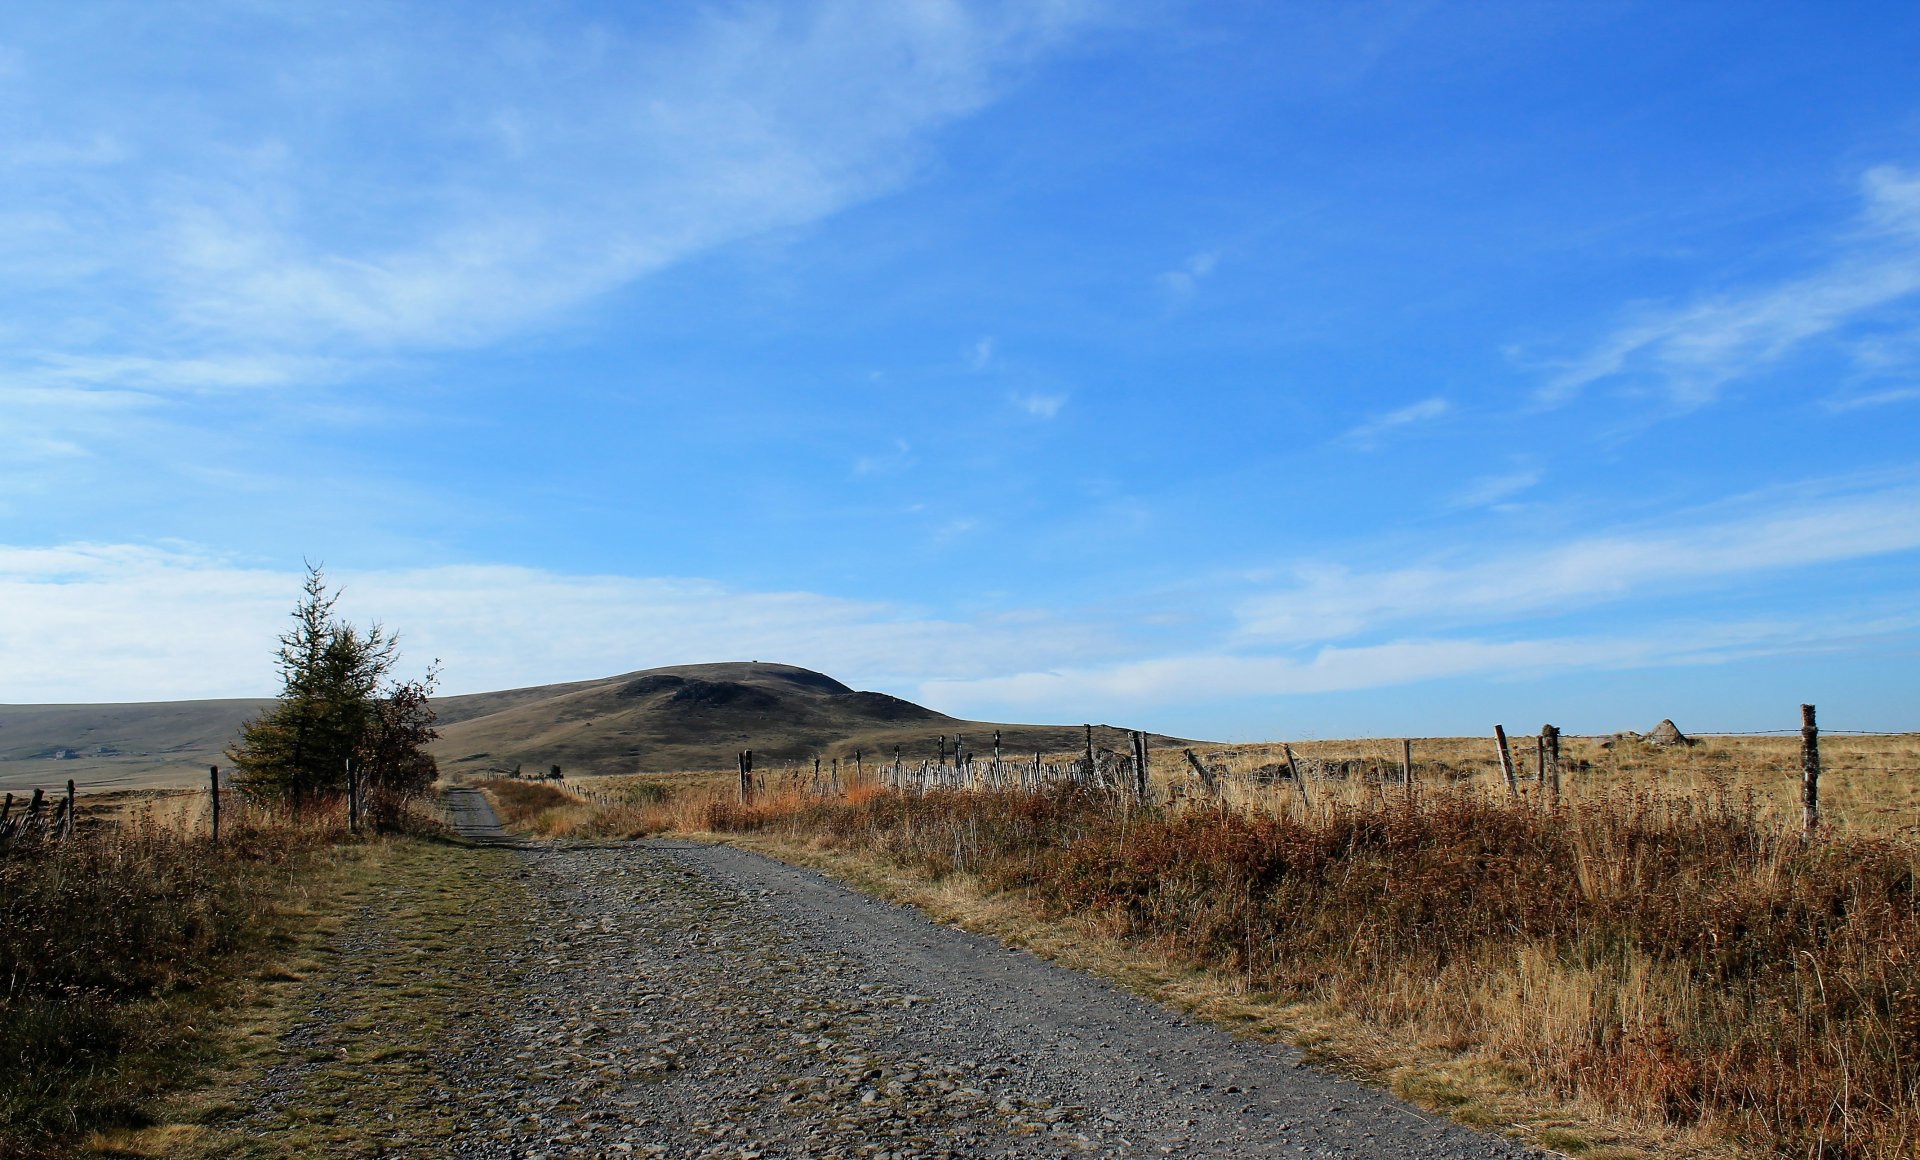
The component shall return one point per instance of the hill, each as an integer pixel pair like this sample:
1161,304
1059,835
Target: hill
679,717
700,716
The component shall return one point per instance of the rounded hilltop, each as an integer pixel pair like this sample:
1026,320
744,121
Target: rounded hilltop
699,716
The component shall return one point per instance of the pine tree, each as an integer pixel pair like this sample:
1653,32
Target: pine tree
332,710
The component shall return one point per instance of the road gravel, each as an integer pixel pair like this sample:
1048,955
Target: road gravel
679,999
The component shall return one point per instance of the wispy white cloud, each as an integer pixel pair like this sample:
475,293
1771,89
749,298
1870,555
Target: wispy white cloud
1163,683
1493,489
1695,349
1365,433
981,356
897,458
526,169
1330,602
100,622
1873,399
1040,406
1183,280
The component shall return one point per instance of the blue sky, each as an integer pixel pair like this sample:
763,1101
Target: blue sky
1236,370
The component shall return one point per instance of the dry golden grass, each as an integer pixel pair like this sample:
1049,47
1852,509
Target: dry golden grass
1868,784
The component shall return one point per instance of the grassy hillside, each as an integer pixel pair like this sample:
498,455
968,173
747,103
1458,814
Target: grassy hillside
157,743
700,716
682,717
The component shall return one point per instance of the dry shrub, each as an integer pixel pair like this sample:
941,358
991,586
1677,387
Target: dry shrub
1677,957
106,937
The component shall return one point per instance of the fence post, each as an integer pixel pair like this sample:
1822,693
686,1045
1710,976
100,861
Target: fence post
1550,737
1206,774
1141,788
1540,763
1293,771
1506,762
70,805
836,777
213,788
1087,769
1406,764
1809,772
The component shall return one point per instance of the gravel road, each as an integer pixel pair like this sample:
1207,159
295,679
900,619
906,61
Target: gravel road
674,999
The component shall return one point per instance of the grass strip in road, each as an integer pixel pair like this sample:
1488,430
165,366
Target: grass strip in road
128,951
353,1060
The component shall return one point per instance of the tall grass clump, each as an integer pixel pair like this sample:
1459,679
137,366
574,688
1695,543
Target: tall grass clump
111,944
1681,958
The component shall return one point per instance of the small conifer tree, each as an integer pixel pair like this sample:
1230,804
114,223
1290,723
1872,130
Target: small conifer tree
333,710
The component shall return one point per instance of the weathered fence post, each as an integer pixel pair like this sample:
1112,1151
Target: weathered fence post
1141,786
1550,735
1506,762
1205,772
835,790
1809,772
33,810
859,770
1406,764
353,798
68,833
746,776
1293,771
213,789
1540,763
1087,769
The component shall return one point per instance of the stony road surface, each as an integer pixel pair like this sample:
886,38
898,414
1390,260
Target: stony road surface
673,999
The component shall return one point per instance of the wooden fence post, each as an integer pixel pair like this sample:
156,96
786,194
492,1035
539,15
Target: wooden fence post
1506,762
213,787
746,778
1809,772
1142,788
1540,763
70,805
1550,735
1406,764
1293,771
1206,774
1087,770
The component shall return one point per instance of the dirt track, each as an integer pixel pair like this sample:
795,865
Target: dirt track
674,999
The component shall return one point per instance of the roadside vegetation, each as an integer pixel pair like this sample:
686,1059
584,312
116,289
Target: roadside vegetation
122,948
128,939
1655,955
